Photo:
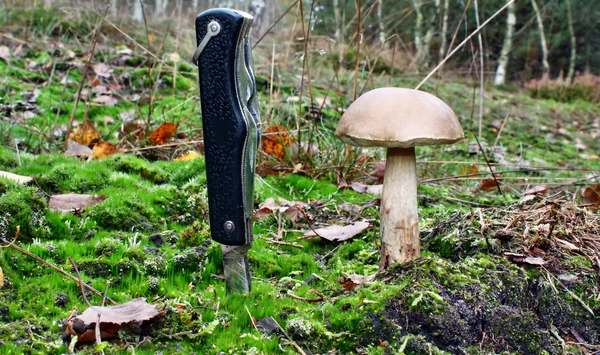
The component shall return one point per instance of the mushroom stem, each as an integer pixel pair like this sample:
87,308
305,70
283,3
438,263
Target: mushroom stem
399,218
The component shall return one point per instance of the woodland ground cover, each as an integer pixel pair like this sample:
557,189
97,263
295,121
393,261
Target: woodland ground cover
505,269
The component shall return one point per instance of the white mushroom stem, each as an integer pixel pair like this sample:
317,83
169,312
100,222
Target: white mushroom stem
399,219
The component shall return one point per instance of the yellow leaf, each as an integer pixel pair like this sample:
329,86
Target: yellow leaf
103,149
191,155
85,134
1,278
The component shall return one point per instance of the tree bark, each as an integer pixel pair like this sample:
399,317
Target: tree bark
399,213
540,22
418,30
381,28
443,35
573,59
338,20
511,20
138,14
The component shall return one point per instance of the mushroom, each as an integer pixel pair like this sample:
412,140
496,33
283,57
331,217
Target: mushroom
399,119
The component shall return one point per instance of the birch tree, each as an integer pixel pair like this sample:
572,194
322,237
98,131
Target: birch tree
443,35
511,20
544,46
571,72
422,40
138,12
381,28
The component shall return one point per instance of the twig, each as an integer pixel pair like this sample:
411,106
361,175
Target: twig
14,240
280,242
162,146
56,268
252,320
305,299
489,166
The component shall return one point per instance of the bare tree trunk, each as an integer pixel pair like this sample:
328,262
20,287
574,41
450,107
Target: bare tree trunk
443,35
338,20
573,59
538,16
418,29
511,20
138,14
114,10
258,9
380,20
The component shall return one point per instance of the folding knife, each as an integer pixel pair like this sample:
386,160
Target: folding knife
231,126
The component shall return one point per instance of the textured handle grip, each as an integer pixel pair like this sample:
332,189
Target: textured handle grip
226,129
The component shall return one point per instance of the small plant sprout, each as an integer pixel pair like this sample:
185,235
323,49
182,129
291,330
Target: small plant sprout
399,119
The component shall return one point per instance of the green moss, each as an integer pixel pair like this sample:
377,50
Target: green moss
25,207
132,165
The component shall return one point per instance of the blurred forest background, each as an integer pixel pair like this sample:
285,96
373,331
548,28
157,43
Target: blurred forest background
532,39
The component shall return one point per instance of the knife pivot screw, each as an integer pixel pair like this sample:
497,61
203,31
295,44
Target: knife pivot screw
229,226
214,27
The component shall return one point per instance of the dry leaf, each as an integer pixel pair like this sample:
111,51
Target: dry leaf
591,196
85,134
75,149
112,319
532,193
19,179
275,140
366,189
360,279
70,202
336,233
5,53
106,100
1,278
469,170
292,209
488,184
379,171
190,155
520,258
103,149
102,70
163,133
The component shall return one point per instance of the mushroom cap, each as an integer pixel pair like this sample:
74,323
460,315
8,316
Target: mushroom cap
396,117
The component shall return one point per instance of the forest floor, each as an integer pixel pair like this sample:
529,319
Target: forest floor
511,268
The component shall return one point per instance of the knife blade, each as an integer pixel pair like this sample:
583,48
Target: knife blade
231,127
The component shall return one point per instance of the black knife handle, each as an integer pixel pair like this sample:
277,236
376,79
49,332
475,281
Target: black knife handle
230,121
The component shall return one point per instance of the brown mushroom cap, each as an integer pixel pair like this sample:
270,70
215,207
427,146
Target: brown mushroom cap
395,117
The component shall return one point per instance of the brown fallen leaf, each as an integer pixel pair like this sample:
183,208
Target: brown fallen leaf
75,149
112,318
591,196
163,133
190,155
103,149
379,171
532,193
19,179
524,259
360,279
336,233
488,184
85,134
70,202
